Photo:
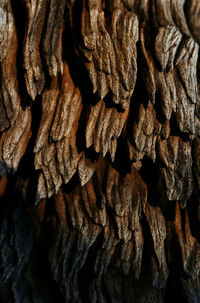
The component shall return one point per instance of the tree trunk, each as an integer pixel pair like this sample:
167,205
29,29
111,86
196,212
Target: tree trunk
99,151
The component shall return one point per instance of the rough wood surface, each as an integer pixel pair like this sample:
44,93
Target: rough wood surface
99,151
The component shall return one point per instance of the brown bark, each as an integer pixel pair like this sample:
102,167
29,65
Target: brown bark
99,151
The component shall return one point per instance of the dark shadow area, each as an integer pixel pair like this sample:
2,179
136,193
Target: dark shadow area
150,173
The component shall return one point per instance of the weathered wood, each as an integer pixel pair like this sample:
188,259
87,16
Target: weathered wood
99,151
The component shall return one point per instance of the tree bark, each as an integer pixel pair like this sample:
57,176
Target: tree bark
99,151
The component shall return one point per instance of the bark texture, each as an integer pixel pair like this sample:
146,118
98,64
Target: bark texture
99,151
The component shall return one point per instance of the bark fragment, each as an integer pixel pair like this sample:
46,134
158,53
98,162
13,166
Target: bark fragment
111,53
34,75
9,95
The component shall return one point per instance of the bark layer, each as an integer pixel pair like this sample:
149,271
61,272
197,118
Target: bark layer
99,151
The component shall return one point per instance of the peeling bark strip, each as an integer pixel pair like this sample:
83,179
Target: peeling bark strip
99,151
9,96
110,51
